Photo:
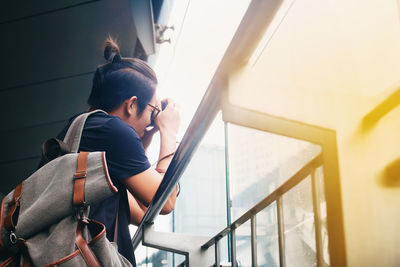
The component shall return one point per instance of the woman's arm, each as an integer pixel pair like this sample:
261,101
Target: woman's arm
137,210
144,185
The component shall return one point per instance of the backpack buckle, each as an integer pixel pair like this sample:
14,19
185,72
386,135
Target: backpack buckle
80,213
13,238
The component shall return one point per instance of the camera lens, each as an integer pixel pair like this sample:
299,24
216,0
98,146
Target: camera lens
164,104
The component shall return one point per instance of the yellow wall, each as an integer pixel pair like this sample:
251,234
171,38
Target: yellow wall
329,63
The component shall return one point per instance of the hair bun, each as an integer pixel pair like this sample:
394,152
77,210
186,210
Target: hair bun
111,50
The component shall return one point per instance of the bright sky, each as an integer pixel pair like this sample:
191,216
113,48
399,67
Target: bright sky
203,31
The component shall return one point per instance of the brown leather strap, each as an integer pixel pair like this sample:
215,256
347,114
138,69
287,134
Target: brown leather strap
84,248
2,224
20,259
13,204
79,180
12,261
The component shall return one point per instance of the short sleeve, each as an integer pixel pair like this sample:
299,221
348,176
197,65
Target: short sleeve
125,154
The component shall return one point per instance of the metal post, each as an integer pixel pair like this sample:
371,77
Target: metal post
253,242
217,255
281,236
233,247
317,219
227,185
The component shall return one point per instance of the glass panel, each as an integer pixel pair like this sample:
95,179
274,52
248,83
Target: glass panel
243,245
223,253
201,206
259,162
267,237
178,259
150,257
299,230
223,244
141,255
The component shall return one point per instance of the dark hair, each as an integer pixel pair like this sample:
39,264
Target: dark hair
120,79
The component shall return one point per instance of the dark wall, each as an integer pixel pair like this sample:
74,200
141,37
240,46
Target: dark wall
49,51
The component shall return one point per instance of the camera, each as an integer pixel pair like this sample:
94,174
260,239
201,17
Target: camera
164,104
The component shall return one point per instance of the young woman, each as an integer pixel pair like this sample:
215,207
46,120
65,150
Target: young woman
126,89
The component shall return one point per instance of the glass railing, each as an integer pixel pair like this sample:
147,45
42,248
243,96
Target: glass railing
252,184
259,163
258,196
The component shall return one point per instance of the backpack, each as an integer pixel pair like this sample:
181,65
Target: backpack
43,221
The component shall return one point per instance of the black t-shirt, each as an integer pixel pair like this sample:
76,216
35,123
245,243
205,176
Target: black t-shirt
125,157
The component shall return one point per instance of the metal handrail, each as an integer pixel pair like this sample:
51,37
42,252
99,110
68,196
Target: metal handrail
248,35
204,116
290,183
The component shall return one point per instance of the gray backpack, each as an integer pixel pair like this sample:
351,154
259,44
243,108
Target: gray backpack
43,221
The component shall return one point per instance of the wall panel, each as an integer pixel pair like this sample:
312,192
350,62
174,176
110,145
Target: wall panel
15,172
20,9
63,43
26,143
50,50
44,103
